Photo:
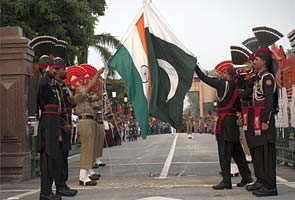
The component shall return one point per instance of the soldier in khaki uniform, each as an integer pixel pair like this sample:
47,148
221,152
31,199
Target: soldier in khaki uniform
189,125
100,133
87,128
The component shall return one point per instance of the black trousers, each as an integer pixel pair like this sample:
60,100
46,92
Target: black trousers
74,135
258,171
51,169
264,163
61,180
228,150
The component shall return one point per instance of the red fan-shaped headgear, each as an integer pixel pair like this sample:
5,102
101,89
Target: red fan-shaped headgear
90,69
74,74
222,67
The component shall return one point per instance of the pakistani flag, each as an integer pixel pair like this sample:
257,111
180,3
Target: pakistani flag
157,69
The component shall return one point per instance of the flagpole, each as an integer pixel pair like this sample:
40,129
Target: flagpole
132,24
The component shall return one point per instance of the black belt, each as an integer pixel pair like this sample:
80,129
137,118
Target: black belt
253,104
50,108
86,117
99,121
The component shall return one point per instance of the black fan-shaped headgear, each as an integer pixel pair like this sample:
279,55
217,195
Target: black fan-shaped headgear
43,45
239,55
251,43
60,49
266,36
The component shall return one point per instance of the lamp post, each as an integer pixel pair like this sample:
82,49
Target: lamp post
125,105
114,94
114,106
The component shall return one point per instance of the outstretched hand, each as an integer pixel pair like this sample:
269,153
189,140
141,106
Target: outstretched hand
100,71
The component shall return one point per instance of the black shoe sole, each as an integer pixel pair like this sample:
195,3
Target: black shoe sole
87,183
66,195
225,188
265,195
55,197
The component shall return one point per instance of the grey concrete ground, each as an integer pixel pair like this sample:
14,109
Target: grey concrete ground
133,171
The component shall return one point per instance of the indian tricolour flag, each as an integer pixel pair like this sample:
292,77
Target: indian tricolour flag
157,69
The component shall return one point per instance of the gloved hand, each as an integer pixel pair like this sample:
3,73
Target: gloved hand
67,128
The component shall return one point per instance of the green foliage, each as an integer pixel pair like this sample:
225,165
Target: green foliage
69,20
100,43
116,85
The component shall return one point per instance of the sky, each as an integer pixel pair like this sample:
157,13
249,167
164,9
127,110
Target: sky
207,27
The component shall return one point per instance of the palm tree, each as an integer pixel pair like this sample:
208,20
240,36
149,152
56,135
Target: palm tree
103,43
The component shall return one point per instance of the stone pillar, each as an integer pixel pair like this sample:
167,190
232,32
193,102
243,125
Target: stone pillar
15,69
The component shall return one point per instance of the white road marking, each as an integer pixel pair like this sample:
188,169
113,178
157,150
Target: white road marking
168,161
74,156
153,163
4,191
285,182
158,198
23,195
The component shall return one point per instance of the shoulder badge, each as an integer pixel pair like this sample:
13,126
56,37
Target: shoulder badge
268,82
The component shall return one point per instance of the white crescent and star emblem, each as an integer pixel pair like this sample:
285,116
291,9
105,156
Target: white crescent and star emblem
173,77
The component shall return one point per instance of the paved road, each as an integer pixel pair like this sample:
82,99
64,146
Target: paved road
163,166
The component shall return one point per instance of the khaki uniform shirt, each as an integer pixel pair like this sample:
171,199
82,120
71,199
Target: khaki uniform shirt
83,105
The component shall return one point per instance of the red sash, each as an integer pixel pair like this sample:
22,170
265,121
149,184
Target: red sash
245,110
257,111
226,111
257,106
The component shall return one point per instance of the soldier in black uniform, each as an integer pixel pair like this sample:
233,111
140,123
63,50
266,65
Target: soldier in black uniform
66,112
259,120
49,131
261,126
227,130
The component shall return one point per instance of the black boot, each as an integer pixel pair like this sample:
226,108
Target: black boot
50,197
94,177
89,183
66,191
245,182
254,186
264,192
222,186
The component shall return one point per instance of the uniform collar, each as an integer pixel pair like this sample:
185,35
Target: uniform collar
262,73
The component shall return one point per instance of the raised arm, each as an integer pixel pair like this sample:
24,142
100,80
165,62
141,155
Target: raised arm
94,79
213,82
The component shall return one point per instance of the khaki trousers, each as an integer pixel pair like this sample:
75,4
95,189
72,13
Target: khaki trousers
87,129
99,141
189,127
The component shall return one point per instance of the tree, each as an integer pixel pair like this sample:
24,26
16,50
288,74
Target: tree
118,86
69,20
101,43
